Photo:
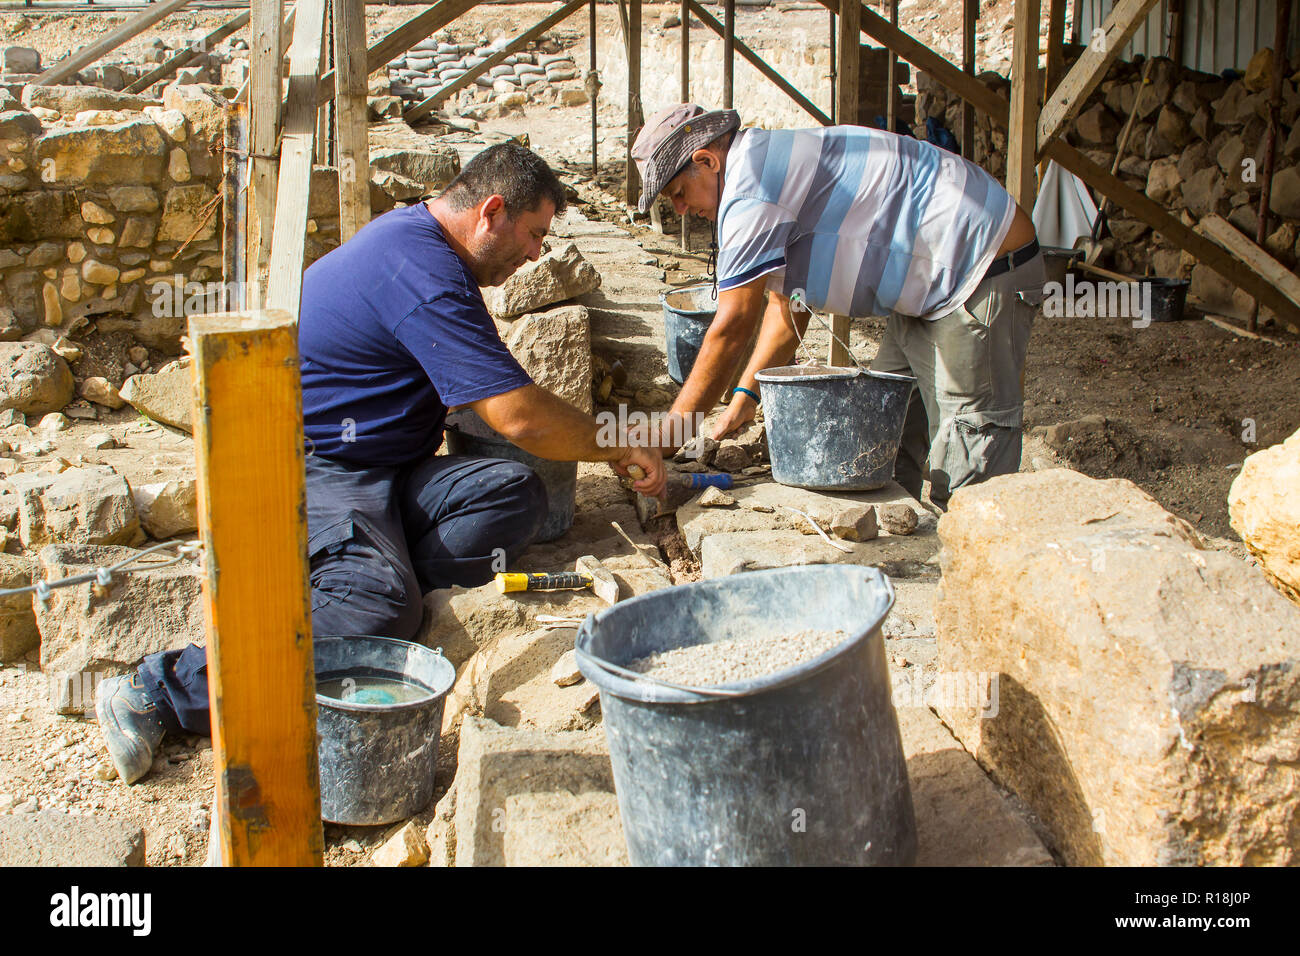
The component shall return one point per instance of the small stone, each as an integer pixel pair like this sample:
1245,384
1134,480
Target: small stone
897,519
404,848
101,236
701,449
99,273
138,354
731,457
855,523
76,252
54,422
104,770
96,214
564,672
100,440
178,166
716,498
102,392
352,846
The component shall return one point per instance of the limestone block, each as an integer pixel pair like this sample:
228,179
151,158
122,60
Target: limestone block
18,632
142,614
435,167
555,277
564,829
71,100
1265,511
184,209
496,763
167,508
166,396
90,505
555,350
131,152
1148,702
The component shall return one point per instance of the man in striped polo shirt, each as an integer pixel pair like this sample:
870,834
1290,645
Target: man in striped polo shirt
858,221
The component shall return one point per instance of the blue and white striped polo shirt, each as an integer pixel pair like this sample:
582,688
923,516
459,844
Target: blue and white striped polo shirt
865,222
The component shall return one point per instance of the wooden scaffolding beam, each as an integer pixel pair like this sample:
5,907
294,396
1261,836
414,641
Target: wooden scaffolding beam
182,57
73,63
297,149
1055,45
970,11
431,102
256,594
1068,96
1136,203
352,131
266,50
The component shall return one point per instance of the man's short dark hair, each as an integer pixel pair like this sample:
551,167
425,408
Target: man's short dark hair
509,170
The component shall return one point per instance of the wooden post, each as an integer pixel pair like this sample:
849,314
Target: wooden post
635,118
891,81
593,87
74,62
1055,45
267,62
728,53
838,355
325,111
284,282
1281,37
832,112
970,11
252,519
234,208
686,98
1022,142
846,106
350,116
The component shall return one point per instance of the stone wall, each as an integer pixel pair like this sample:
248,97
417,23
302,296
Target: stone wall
107,198
1197,148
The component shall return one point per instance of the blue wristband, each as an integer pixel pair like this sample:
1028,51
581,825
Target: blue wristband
741,388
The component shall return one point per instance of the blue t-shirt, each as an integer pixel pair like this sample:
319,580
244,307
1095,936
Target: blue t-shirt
392,331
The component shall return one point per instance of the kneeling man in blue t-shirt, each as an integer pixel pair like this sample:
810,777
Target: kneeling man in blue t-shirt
393,333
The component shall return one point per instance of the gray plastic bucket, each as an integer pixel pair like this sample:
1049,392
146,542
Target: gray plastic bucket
687,314
802,767
559,477
377,761
833,428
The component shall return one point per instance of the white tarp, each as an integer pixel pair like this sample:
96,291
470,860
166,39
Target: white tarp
1063,211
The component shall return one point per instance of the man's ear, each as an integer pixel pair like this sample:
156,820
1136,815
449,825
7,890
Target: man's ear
706,159
492,209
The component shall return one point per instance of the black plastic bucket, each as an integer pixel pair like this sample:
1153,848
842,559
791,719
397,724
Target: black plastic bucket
687,314
377,761
559,477
801,767
1168,297
833,428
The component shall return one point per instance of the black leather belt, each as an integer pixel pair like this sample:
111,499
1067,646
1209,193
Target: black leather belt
1012,259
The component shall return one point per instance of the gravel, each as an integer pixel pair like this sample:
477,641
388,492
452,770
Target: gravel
743,658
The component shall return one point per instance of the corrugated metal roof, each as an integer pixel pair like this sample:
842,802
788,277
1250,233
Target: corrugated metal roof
1219,34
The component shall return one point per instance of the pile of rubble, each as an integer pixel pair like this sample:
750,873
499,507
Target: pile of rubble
224,63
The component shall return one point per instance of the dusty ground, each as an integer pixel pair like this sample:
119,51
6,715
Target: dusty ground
1176,398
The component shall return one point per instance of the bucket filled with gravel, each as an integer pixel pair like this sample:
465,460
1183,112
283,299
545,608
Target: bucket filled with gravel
750,720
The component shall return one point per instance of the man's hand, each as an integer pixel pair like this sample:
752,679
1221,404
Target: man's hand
739,413
651,463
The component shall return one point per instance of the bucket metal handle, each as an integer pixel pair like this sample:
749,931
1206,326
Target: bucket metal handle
797,300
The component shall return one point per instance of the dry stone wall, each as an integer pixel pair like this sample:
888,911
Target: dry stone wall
1197,148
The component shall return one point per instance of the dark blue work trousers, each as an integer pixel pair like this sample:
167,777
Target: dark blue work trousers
378,539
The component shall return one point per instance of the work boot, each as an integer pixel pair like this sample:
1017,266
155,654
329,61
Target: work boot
130,724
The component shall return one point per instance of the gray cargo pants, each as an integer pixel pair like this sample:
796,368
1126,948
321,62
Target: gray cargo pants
964,418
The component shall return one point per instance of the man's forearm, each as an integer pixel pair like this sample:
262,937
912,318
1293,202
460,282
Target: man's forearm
777,340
